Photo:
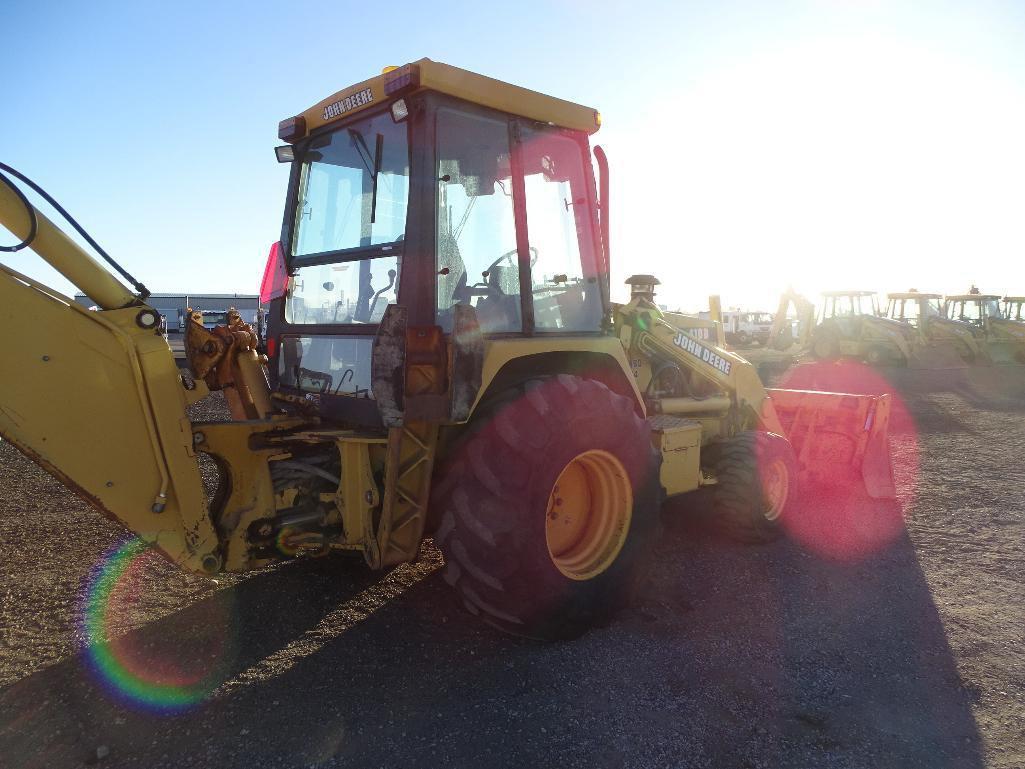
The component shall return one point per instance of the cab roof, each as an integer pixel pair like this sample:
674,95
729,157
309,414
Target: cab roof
913,295
972,297
425,74
1013,299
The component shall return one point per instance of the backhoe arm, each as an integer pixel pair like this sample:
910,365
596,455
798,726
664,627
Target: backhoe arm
96,398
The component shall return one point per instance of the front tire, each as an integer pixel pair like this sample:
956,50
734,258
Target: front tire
756,487
549,510
825,346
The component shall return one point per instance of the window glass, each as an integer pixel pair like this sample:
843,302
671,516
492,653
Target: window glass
970,311
843,307
910,311
564,280
476,228
354,188
332,365
933,309
991,308
344,292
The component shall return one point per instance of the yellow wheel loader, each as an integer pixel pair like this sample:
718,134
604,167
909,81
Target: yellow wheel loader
939,341
850,325
1001,337
442,360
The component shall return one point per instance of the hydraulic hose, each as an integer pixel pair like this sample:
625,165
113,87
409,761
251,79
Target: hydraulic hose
34,225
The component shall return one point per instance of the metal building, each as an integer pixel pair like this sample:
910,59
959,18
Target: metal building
172,306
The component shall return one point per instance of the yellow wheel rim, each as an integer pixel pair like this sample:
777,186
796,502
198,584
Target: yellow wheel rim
588,515
776,488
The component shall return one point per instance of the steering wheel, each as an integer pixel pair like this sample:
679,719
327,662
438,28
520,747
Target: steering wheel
507,255
515,252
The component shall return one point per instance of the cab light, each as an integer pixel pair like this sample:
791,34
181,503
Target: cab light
285,153
399,111
275,275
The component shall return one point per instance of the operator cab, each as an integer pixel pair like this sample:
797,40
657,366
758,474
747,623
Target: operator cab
974,308
847,308
1013,308
431,188
913,307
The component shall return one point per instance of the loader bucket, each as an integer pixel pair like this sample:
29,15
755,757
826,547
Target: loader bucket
1001,351
839,437
936,357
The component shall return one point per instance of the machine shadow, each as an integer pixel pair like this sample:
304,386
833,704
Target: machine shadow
62,713
855,661
734,656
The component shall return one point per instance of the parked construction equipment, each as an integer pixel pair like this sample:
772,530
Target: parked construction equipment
443,359
940,341
1013,308
1002,338
850,325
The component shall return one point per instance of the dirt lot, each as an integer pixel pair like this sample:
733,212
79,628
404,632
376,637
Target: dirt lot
896,642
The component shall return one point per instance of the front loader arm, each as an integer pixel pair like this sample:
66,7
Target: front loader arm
828,431
644,330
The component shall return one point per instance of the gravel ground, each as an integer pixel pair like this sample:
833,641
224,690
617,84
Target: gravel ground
898,644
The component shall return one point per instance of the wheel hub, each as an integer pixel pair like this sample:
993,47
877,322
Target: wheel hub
588,514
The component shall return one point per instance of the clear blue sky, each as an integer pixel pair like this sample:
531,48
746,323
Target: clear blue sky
753,144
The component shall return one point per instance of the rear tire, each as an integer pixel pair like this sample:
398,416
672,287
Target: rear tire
876,356
497,494
757,485
825,346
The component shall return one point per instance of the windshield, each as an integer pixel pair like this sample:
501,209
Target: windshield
847,305
353,193
353,189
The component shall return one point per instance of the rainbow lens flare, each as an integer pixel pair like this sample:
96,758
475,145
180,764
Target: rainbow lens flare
151,667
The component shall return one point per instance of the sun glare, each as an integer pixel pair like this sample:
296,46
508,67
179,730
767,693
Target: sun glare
852,162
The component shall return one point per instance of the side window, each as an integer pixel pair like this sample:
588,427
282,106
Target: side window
356,291
563,273
911,311
476,230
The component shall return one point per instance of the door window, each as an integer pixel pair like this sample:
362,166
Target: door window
476,226
356,291
564,280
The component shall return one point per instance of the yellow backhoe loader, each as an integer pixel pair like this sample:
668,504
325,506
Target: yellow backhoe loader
1013,308
1002,338
442,359
851,325
940,341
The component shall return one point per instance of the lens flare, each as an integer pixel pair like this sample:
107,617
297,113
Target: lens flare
842,522
147,668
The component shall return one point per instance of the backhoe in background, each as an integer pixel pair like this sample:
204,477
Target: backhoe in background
443,360
851,325
940,341
1013,308
1002,338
